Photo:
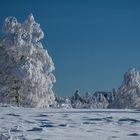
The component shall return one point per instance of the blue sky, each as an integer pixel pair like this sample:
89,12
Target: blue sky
92,42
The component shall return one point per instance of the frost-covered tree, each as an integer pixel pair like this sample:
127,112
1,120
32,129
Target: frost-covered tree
62,102
26,77
86,100
128,95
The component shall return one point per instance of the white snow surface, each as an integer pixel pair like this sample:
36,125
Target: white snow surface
73,124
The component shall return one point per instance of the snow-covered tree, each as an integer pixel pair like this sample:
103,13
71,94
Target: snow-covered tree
128,95
26,77
86,100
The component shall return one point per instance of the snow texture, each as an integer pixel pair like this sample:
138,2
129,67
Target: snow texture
73,124
26,77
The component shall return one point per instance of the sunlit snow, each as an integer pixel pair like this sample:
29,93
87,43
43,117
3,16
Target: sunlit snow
72,124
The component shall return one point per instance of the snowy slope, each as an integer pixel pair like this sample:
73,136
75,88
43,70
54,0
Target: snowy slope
73,124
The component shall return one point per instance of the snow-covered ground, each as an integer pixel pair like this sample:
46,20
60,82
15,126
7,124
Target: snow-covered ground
73,124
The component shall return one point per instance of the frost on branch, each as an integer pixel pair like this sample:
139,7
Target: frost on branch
26,77
128,95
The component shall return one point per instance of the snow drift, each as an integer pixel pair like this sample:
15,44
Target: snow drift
26,77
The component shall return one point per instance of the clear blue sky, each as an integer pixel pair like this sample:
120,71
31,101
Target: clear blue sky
92,42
